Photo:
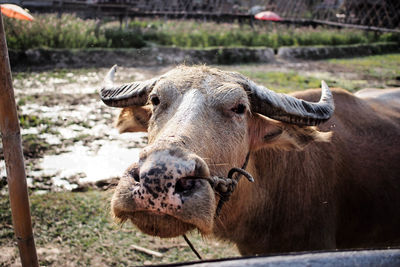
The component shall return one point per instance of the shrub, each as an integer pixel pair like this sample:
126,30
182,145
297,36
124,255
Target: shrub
120,38
50,30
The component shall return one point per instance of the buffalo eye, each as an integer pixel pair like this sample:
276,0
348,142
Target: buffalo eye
239,109
155,100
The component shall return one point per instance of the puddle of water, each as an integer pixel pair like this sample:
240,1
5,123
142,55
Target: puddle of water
109,161
29,131
50,139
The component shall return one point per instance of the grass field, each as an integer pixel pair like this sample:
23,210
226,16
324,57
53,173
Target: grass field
70,31
352,74
76,228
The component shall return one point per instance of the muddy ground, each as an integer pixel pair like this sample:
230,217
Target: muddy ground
67,132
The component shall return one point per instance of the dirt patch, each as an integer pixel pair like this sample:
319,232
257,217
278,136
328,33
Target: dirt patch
48,255
8,256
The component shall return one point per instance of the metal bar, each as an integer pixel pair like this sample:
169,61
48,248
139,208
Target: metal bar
12,149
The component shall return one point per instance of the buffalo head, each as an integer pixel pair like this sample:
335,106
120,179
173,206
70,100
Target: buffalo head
201,122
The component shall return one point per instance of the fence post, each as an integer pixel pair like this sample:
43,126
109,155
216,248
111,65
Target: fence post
12,149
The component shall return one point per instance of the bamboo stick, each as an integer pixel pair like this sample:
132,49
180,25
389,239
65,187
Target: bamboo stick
12,149
147,251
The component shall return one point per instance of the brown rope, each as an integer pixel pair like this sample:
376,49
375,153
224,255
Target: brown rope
192,247
225,187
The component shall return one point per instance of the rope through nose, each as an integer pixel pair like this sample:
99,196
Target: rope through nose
224,187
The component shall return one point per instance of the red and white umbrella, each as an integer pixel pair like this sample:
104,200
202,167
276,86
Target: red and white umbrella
14,11
268,15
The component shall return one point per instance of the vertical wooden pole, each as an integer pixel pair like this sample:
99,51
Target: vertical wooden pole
11,137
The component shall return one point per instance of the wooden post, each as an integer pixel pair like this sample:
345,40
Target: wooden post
12,149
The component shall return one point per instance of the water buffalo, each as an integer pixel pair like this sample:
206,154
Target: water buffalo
326,175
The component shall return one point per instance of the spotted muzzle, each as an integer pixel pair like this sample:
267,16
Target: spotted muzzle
168,185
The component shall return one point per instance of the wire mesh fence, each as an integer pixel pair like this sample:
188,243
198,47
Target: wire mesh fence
376,13
384,14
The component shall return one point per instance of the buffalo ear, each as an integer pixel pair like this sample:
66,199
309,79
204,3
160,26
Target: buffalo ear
268,133
133,119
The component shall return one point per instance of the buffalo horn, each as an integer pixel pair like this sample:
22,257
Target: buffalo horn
130,94
289,109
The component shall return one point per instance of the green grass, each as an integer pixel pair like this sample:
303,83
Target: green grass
69,31
283,82
382,67
81,227
28,121
51,30
34,146
209,34
292,81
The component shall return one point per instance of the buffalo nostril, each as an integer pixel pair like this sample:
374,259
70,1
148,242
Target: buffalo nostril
185,186
136,177
135,174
